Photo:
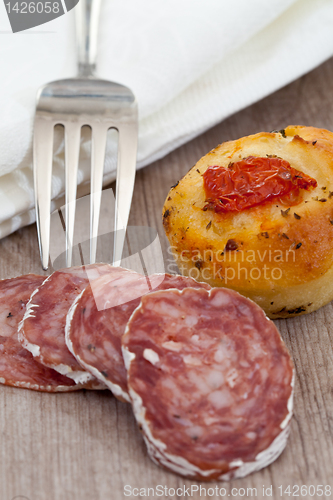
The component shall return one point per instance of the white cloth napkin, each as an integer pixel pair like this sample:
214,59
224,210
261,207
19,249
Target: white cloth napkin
191,63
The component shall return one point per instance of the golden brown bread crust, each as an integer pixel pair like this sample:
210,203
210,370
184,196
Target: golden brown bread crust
279,256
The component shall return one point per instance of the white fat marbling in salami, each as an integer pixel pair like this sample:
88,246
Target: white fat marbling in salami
42,331
94,336
17,366
210,380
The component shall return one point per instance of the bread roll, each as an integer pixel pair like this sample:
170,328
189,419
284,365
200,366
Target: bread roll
278,251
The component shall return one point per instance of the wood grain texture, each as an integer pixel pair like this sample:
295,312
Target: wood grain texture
86,445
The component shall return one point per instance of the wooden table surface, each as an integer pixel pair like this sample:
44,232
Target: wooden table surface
86,445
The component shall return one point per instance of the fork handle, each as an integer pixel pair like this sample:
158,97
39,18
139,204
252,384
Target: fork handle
87,17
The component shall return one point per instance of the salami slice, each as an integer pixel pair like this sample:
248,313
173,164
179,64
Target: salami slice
95,336
42,331
211,382
17,366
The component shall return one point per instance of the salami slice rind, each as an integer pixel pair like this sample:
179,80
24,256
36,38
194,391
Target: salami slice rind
211,382
95,336
17,366
42,331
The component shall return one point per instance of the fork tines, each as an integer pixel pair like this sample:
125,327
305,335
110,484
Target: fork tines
101,105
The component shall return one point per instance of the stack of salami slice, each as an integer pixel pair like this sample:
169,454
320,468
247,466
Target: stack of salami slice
208,375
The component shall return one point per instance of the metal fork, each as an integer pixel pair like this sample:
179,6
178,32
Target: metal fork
73,103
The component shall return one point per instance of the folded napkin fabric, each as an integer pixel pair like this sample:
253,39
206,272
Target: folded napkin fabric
190,64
